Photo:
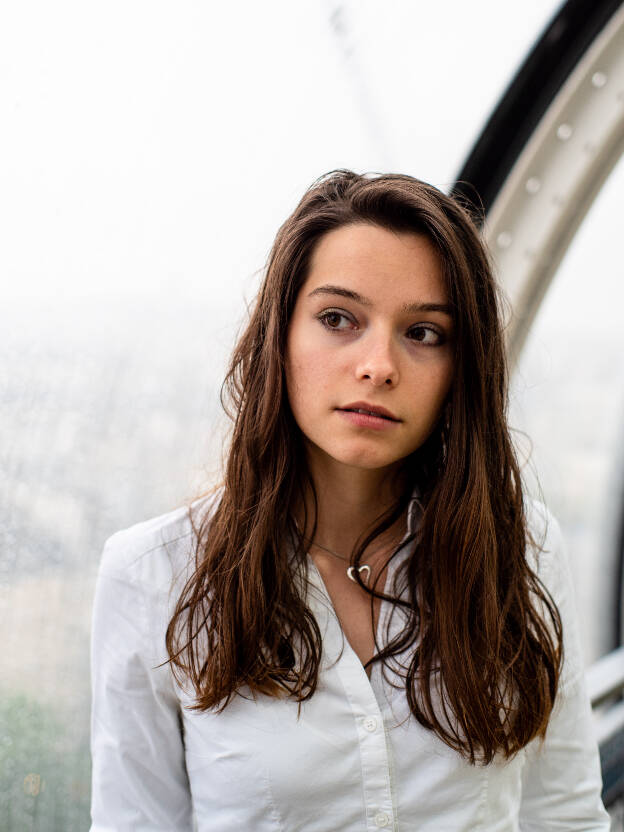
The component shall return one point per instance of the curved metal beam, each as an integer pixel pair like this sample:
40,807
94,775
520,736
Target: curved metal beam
530,93
557,176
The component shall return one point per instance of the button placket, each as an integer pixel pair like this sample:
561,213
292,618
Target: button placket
372,740
375,762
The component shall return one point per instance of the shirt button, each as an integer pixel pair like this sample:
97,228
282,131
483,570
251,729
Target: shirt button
382,819
370,723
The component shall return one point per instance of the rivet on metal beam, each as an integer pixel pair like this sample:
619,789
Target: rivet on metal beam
564,131
599,79
532,185
503,240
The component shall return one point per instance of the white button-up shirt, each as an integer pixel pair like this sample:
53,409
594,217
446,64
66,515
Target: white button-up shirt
355,759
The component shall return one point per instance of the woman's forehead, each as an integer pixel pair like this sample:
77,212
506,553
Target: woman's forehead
373,262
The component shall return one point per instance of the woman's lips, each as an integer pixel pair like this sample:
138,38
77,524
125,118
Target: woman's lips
370,409
365,418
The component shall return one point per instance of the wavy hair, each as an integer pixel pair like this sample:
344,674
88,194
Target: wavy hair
483,634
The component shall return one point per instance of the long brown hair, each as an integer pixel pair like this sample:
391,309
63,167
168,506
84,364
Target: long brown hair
483,629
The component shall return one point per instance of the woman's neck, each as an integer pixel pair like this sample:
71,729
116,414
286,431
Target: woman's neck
348,501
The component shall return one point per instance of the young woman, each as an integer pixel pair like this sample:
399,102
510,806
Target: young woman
367,626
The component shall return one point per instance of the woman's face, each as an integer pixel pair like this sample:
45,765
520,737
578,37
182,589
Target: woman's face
369,357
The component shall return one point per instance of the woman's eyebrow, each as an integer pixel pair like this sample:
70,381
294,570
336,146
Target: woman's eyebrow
329,289
409,308
428,307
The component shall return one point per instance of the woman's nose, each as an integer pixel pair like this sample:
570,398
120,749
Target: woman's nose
377,362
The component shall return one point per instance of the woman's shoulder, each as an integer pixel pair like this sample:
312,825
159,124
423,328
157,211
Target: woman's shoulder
546,550
548,557
540,520
155,551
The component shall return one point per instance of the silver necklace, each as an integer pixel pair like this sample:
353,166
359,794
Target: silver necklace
363,568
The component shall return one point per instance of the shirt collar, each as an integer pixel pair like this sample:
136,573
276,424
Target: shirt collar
414,513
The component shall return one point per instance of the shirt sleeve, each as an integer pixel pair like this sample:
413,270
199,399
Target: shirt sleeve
561,781
139,779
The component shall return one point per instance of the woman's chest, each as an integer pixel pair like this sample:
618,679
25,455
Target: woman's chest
260,765
351,758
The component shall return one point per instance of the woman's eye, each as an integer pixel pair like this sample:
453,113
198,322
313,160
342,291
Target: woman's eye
336,320
426,335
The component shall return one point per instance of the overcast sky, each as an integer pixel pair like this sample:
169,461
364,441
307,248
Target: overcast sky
150,147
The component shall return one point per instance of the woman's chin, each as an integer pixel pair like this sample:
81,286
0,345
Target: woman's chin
358,459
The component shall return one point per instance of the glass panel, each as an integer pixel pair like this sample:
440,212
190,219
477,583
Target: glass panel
568,395
111,411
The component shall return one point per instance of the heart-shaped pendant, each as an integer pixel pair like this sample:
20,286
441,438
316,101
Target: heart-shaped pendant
364,568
